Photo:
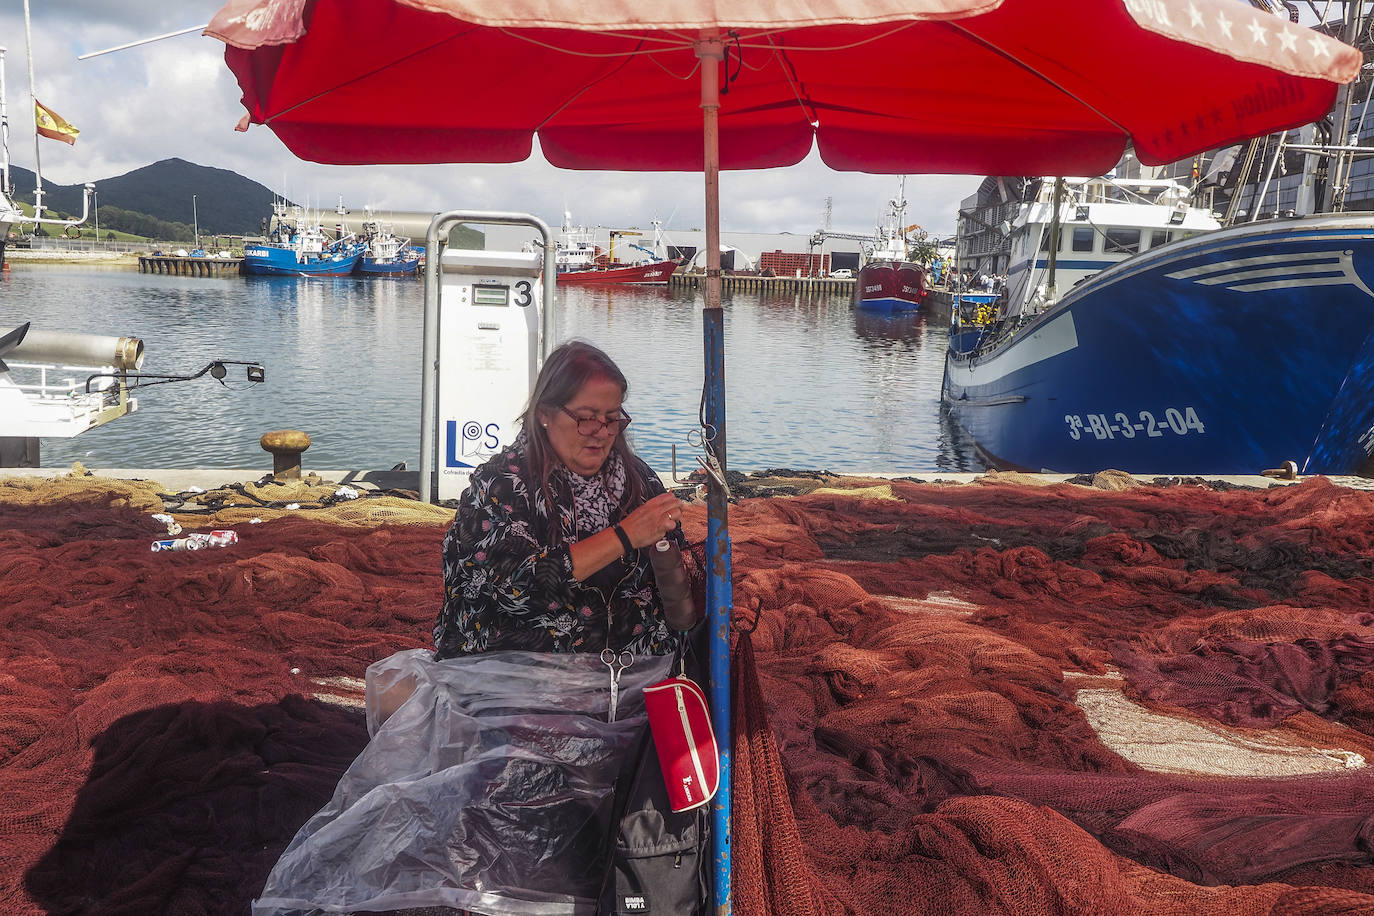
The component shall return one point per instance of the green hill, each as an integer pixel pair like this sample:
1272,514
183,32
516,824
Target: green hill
155,202
226,203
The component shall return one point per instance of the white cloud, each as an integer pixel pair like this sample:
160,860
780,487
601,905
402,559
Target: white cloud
176,98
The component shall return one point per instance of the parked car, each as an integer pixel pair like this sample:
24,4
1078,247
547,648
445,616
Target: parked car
844,273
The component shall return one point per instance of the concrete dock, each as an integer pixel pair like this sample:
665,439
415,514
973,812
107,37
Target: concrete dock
189,267
183,479
803,285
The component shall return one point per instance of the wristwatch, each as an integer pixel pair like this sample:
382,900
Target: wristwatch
624,542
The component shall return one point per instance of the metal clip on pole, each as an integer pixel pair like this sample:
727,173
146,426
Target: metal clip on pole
712,467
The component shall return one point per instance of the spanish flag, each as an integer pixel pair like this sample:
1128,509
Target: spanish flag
50,124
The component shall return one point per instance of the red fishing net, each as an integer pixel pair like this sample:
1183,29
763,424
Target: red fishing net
1001,699
962,699
165,727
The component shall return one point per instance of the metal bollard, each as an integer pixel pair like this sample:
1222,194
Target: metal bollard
286,446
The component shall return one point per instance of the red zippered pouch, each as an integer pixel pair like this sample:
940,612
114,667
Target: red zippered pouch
681,725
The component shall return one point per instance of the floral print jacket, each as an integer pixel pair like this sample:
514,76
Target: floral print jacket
507,586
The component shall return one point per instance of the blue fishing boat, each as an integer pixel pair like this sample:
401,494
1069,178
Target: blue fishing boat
385,254
300,247
1178,348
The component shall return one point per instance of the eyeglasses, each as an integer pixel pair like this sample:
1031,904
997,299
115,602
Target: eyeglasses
591,426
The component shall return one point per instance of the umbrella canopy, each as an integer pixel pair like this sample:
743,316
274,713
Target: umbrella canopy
963,86
966,86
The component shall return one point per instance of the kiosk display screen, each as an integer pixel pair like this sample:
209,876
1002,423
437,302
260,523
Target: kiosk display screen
498,296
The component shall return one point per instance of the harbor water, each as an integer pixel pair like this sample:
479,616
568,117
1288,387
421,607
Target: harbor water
811,383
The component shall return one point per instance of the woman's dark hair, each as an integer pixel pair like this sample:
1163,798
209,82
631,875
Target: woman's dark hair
570,366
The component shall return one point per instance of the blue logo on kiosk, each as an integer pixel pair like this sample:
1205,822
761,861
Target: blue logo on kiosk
477,441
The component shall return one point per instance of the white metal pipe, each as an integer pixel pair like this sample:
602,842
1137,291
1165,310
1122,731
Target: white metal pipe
144,41
72,349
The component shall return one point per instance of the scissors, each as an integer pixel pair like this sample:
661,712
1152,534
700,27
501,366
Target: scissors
617,663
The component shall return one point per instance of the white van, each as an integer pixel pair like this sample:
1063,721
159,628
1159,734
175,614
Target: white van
844,273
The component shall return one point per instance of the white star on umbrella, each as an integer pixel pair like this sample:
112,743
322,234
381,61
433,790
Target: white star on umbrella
1224,23
1257,33
1288,40
1318,47
1194,16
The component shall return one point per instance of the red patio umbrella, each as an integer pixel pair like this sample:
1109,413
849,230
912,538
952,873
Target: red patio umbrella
900,86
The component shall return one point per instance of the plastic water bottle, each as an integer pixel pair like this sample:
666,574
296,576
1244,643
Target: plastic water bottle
673,587
220,538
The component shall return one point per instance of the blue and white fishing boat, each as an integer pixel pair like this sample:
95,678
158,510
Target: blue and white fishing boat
300,247
1177,347
385,254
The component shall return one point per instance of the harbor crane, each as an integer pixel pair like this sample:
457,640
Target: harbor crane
618,233
819,237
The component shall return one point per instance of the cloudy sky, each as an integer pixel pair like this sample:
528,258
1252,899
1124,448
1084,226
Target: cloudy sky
176,98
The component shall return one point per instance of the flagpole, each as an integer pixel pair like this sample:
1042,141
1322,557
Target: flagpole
719,600
4,136
33,109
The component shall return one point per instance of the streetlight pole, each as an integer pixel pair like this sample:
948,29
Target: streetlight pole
95,208
195,219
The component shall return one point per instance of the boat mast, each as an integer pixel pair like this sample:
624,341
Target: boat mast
1058,197
898,214
1340,170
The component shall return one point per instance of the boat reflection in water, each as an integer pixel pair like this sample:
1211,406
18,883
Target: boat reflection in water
895,349
889,326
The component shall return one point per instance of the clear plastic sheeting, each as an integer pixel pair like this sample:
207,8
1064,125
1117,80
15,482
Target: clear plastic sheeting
486,786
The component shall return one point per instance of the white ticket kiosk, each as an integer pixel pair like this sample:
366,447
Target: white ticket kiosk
490,306
488,321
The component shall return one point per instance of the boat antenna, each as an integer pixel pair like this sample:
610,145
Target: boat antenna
1269,177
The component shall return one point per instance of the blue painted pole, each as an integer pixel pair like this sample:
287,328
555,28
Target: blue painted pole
719,601
710,50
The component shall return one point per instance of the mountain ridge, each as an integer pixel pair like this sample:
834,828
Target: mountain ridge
218,201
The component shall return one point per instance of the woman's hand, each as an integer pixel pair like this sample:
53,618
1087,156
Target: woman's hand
651,521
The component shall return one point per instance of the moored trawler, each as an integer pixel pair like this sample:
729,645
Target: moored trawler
888,281
654,272
891,286
300,248
385,254
580,260
1232,351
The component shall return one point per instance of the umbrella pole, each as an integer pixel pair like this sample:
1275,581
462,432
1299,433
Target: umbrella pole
719,599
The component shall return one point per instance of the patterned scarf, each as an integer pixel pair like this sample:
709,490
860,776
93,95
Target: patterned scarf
596,499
